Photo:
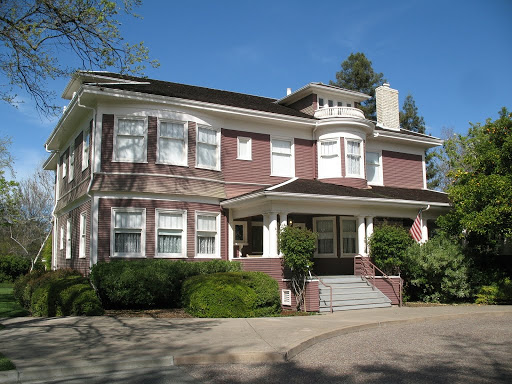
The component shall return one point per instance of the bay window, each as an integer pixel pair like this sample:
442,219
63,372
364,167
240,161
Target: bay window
353,158
128,232
282,158
171,233
207,235
130,140
208,148
172,143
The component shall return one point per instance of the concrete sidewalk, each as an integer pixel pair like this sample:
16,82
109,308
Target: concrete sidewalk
45,348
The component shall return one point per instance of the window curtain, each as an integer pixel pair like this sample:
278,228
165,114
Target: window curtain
127,242
171,146
328,148
281,157
354,157
206,244
349,236
372,167
207,147
130,140
128,220
325,230
169,242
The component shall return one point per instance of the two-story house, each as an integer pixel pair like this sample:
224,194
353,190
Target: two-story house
154,169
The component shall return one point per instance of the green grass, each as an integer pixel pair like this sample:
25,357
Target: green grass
6,364
9,307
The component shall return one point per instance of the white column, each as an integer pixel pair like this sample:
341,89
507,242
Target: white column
272,229
369,231
266,235
283,218
361,235
231,235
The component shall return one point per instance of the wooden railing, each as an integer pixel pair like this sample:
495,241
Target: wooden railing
326,285
366,269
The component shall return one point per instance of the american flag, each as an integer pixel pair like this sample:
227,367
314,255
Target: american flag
415,230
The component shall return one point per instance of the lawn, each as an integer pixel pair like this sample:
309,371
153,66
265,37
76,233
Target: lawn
9,307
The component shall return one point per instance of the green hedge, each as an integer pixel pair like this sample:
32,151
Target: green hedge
57,293
235,294
12,267
149,283
497,293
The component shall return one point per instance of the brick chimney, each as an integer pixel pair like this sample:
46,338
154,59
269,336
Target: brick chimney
387,106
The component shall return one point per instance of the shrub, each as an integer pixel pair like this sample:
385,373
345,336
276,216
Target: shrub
149,283
11,267
436,271
231,294
387,247
46,254
497,293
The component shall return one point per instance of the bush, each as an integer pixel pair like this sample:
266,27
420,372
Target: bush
149,283
232,294
435,271
46,254
387,247
12,267
57,293
497,293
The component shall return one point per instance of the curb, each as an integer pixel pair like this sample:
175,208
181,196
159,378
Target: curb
90,368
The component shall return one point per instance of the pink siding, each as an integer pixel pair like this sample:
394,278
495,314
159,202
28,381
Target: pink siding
104,223
390,288
402,170
305,160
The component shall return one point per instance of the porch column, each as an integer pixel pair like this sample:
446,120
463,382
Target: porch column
266,235
231,235
369,231
272,229
283,218
361,246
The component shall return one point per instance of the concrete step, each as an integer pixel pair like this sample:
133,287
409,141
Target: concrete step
355,285
340,279
348,296
354,301
352,307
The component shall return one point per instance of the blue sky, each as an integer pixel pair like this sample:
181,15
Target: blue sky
454,57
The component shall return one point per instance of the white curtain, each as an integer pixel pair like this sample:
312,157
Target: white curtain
207,223
130,127
206,245
281,157
128,220
170,220
169,242
127,242
171,146
325,230
328,148
207,147
244,148
130,140
354,157
373,167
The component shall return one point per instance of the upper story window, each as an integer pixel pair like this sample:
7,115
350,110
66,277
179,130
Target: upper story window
128,232
85,148
61,242
130,140
373,168
353,158
171,233
71,162
64,166
83,231
208,148
68,239
207,234
282,158
320,102
244,150
172,143
340,104
330,103
325,227
329,159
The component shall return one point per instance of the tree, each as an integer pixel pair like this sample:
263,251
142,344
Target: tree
357,74
9,192
409,117
36,34
480,166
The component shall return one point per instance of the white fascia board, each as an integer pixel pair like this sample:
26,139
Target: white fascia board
325,89
427,141
90,76
71,106
51,162
130,95
237,201
281,184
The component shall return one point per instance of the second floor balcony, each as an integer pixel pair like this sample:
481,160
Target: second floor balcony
329,112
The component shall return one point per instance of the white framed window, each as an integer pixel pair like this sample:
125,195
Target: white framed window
286,296
349,237
329,163
61,245
64,166
130,139
68,239
282,157
325,227
373,168
353,158
240,229
71,162
244,148
320,102
208,148
83,231
340,104
207,234
86,148
330,103
128,236
171,233
172,142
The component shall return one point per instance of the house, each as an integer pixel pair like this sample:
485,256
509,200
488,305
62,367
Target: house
154,169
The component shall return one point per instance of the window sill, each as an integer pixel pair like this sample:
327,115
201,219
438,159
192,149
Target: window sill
81,257
240,158
130,161
207,256
208,168
172,164
273,175
170,256
129,256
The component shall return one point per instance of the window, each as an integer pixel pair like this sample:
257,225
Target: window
68,239
61,245
130,140
320,102
240,228
354,158
282,158
171,234
85,148
325,227
373,168
349,105
340,104
172,143
128,232
71,162
329,159
207,148
64,166
330,103
349,236
83,231
244,148
207,234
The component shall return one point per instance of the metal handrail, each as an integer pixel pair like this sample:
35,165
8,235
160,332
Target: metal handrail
328,286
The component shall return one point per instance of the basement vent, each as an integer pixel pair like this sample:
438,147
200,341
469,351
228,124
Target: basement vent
286,297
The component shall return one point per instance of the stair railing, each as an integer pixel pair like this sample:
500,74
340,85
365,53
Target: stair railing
327,285
368,271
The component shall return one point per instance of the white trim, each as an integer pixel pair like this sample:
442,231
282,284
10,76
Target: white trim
61,238
71,161
281,184
248,156
151,196
96,133
286,297
218,144
86,158
115,156
142,253
379,168
94,231
183,214
334,237
362,160
185,142
68,238
217,235
82,235
292,155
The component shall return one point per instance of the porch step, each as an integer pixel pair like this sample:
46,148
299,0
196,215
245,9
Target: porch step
349,292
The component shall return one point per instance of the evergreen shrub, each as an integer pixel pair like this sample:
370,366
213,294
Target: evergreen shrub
497,293
388,244
12,267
